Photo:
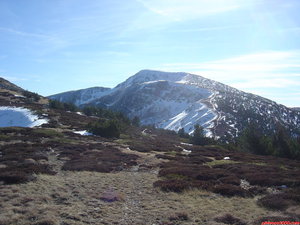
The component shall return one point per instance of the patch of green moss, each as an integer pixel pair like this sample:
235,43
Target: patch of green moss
124,136
259,163
65,140
172,153
123,141
220,162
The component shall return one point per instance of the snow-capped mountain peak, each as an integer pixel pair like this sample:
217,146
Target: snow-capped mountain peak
181,100
145,76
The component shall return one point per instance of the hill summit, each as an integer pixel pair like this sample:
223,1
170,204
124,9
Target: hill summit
178,100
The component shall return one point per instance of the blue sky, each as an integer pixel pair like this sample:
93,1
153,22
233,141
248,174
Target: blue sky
51,46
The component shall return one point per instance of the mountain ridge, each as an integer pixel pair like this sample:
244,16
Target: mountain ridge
5,84
180,100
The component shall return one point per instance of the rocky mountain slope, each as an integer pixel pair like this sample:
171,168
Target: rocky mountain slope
83,96
6,85
181,100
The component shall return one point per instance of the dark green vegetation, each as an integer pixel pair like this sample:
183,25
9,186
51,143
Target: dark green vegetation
110,124
54,104
106,128
199,138
31,96
281,143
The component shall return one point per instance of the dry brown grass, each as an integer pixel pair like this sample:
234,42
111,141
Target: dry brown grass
74,198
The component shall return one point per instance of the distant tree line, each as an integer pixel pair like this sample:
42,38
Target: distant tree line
55,104
110,123
281,143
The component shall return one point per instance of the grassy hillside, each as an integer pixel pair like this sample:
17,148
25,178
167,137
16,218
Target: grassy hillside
53,176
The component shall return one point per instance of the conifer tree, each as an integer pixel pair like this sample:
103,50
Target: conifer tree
198,137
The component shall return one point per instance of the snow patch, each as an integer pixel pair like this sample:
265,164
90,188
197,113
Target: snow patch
183,143
83,132
19,96
152,82
186,151
19,117
177,118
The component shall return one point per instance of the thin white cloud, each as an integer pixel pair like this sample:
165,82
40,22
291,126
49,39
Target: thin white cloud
201,29
22,33
267,71
261,65
290,99
266,83
14,79
48,42
189,9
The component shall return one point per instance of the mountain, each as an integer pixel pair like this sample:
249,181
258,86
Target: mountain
180,100
5,84
83,96
296,108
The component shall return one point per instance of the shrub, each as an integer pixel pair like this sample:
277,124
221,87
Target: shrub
15,177
179,216
21,162
108,128
231,179
229,219
136,121
174,185
31,96
275,202
181,133
96,158
280,201
229,190
66,106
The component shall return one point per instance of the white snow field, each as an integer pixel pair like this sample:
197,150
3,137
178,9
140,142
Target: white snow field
19,117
